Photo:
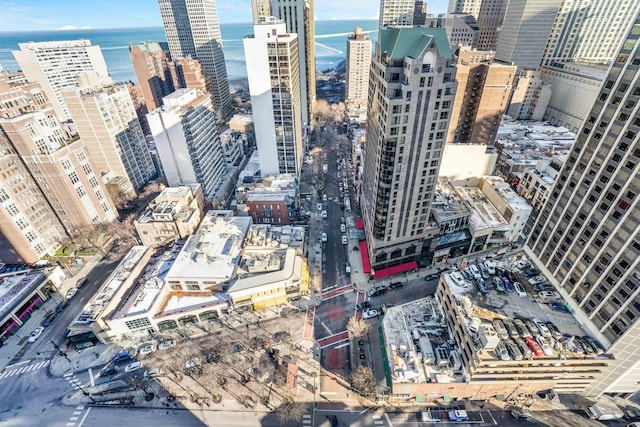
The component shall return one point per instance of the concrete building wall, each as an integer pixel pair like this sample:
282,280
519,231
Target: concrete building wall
357,81
587,234
465,161
574,89
525,31
396,13
56,64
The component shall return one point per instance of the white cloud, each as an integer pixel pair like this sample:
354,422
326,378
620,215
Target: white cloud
67,27
86,27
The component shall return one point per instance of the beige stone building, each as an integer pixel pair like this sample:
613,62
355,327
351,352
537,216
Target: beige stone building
484,89
59,164
174,214
106,120
357,82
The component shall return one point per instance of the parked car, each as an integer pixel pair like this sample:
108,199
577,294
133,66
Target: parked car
543,287
475,271
502,332
482,285
523,347
511,328
109,370
483,271
520,289
343,228
36,334
548,295
324,214
457,278
523,263
134,366
467,275
530,272
71,293
324,237
597,347
81,282
491,267
166,344
395,285
522,329
542,327
380,290
458,415
553,329
536,280
343,239
498,284
319,206
558,306
147,349
154,372
363,305
122,356
507,284
535,347
370,313
546,348
46,322
347,268
343,220
514,351
192,363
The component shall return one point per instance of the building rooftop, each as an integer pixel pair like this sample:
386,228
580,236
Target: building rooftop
485,215
412,42
15,286
507,306
418,344
213,252
93,310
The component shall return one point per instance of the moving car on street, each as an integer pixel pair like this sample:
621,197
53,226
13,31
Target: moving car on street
36,334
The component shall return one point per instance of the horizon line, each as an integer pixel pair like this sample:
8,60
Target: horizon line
152,26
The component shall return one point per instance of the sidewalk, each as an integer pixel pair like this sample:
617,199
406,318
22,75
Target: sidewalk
81,360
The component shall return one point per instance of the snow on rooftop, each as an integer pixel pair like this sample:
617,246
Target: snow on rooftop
213,252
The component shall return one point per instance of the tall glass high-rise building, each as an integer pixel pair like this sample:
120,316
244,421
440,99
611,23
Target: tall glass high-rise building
587,236
193,31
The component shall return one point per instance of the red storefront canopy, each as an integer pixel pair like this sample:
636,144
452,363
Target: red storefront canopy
359,224
366,267
395,269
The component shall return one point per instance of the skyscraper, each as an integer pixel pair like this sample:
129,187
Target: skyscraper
299,18
525,31
56,64
154,70
587,236
193,31
490,18
272,69
106,121
589,31
358,63
472,7
411,92
59,165
188,142
29,228
260,8
396,13
483,93
419,12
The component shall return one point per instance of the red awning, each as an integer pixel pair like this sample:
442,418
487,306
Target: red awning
359,224
366,267
395,269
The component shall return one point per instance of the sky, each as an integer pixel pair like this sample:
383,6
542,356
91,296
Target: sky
26,15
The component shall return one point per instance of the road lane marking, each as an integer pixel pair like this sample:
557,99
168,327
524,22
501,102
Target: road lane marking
386,417
342,345
84,418
18,364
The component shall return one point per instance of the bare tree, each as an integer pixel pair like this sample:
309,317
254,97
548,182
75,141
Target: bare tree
290,410
319,182
363,381
357,328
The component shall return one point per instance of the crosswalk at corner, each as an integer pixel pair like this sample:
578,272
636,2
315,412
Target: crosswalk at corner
306,420
23,369
377,420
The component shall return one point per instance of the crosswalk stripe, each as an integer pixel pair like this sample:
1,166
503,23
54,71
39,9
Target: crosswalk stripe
68,374
23,369
306,416
70,424
80,407
12,373
73,418
2,375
